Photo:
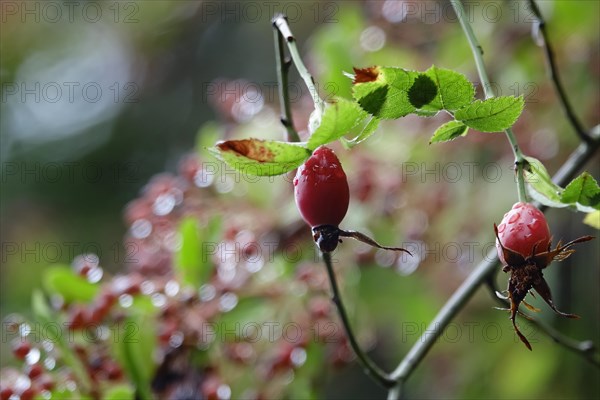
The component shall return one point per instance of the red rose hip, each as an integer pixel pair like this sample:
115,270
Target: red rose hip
321,189
523,230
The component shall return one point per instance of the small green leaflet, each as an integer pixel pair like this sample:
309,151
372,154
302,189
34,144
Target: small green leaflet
454,91
448,131
541,187
260,157
338,119
383,91
368,127
492,115
583,191
192,264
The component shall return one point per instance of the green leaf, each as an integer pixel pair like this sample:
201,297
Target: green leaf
454,90
368,127
383,91
133,346
192,267
583,191
593,219
61,279
338,119
248,312
119,392
260,157
39,306
492,115
448,131
541,186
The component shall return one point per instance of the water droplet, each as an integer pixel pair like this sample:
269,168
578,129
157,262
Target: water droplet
298,356
295,181
224,392
514,218
141,229
372,38
147,287
22,383
94,275
228,301
164,204
126,300
158,300
501,228
33,356
176,339
50,363
207,292
203,178
171,288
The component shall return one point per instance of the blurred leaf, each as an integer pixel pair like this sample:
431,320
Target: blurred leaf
492,115
593,219
61,279
582,191
454,90
134,349
260,157
119,392
39,306
541,186
448,131
369,126
249,312
192,267
383,91
338,119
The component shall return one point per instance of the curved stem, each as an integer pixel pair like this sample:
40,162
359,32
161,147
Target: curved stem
281,24
479,276
283,68
540,29
477,51
369,366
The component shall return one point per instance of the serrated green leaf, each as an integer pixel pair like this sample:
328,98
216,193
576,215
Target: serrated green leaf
383,91
338,119
593,219
192,267
492,115
368,127
61,279
423,91
454,91
448,131
260,157
583,191
541,186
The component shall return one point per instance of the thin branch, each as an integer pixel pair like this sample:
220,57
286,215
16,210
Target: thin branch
539,28
585,349
283,68
280,22
478,277
477,51
369,366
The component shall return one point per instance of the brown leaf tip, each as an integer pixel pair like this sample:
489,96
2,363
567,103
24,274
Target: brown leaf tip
250,148
362,75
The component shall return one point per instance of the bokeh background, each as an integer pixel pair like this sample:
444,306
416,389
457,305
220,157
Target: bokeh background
97,97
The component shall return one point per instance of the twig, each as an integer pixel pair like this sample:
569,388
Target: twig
478,277
586,349
488,90
543,42
369,366
281,24
283,68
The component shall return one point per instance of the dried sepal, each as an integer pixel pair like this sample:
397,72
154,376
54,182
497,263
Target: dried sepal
561,252
365,239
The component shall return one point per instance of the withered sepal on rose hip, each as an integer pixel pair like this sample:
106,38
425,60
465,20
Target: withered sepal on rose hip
322,196
524,247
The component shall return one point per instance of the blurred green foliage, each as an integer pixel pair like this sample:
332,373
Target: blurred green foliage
171,56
